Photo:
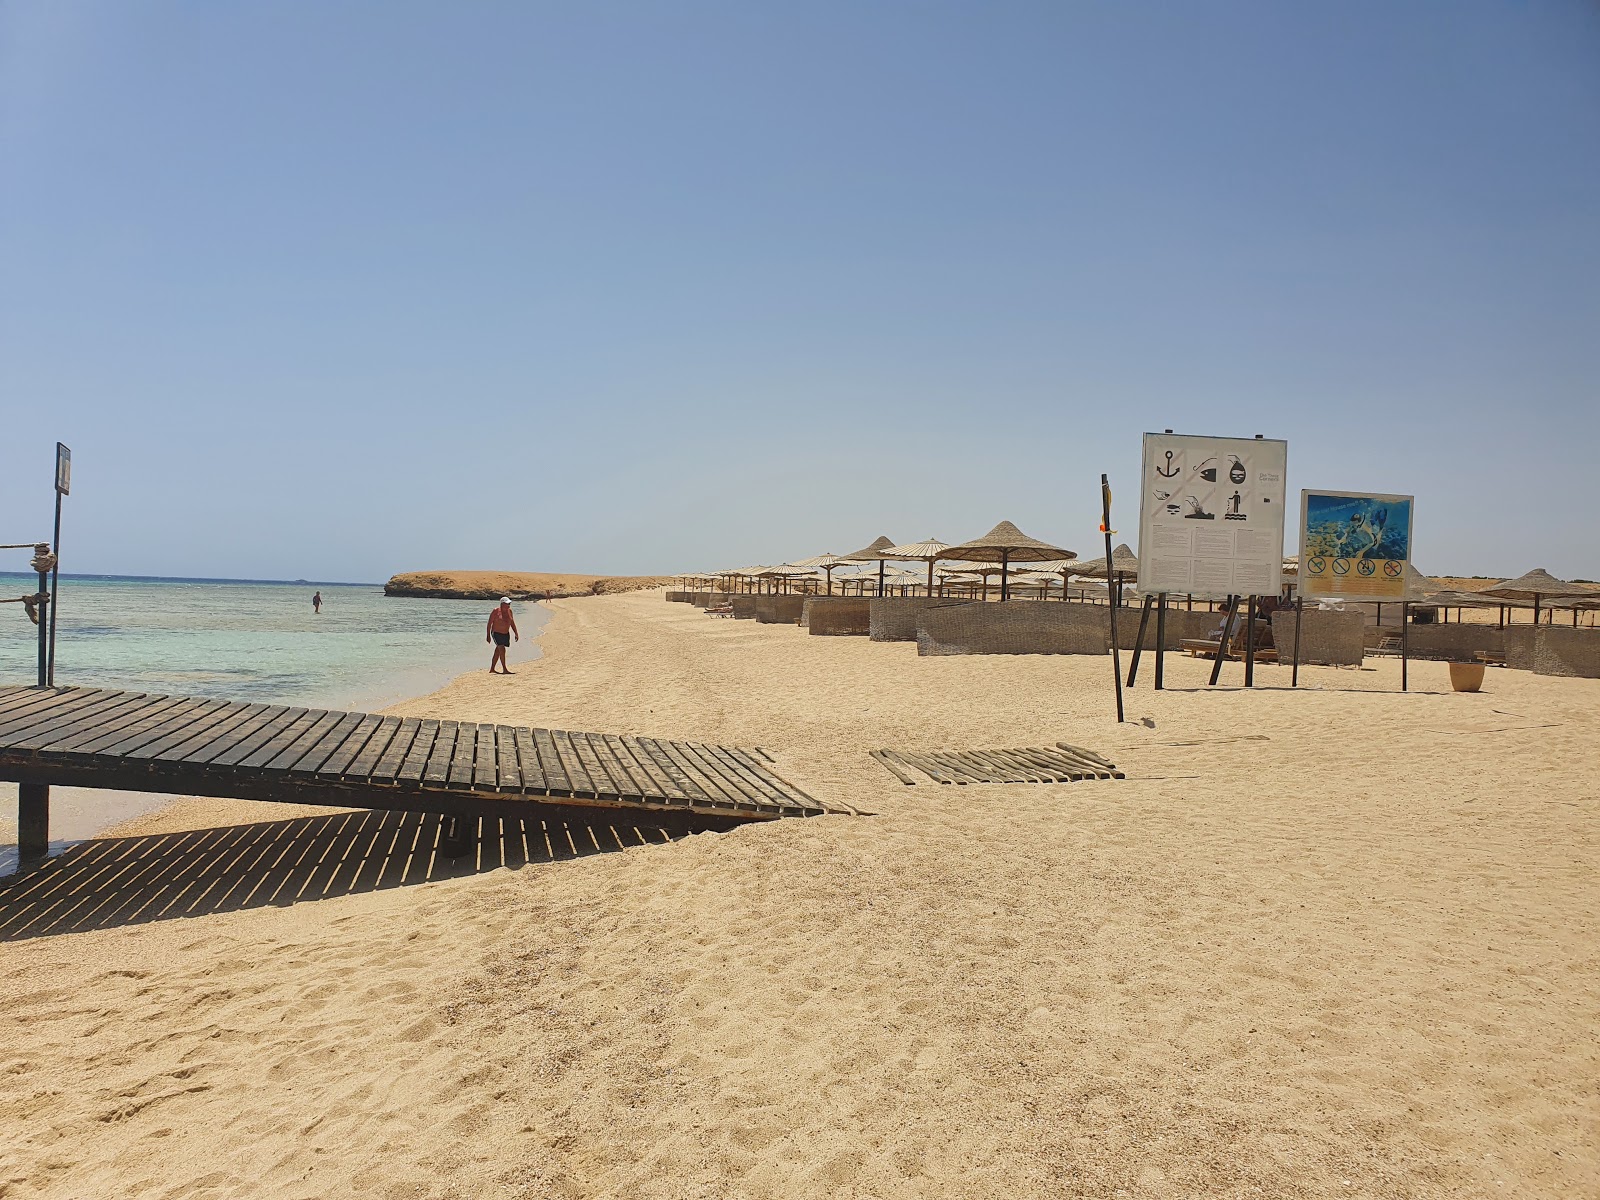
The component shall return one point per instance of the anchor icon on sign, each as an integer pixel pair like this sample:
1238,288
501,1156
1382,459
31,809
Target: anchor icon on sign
1170,471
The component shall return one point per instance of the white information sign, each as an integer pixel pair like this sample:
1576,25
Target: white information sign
1211,516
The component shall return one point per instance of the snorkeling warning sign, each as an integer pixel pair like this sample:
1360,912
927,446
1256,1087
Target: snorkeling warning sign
1354,545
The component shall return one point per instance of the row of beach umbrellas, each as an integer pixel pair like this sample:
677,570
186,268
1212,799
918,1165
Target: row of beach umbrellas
996,552
1004,546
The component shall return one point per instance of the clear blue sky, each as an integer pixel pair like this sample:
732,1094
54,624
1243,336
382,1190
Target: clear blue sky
339,290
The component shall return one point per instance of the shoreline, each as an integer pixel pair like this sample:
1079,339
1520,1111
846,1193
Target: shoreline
80,815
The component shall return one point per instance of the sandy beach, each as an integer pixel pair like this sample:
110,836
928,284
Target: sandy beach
1337,942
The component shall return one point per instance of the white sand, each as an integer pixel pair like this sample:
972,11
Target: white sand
1354,959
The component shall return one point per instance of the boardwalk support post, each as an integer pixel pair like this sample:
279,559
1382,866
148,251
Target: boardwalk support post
33,823
457,835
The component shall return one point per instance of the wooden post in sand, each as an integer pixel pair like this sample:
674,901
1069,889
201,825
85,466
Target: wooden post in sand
1227,637
1161,640
1138,642
1405,646
1299,613
1116,655
1250,644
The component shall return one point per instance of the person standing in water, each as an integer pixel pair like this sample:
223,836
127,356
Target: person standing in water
502,628
316,603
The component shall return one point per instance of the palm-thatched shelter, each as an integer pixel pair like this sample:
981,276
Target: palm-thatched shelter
1124,566
927,550
825,562
1006,544
877,552
1536,585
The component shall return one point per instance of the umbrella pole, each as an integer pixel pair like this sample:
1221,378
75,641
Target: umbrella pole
1116,654
930,578
1005,577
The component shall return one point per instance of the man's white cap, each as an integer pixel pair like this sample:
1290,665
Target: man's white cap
505,599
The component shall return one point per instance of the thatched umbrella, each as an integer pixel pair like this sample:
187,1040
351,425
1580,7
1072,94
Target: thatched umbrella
784,572
981,570
1124,565
1006,544
926,551
823,562
1535,585
876,552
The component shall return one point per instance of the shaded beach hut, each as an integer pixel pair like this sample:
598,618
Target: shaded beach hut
1006,544
876,552
927,550
1536,585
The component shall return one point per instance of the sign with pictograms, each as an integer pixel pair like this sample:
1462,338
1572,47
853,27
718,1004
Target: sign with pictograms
1354,545
1211,516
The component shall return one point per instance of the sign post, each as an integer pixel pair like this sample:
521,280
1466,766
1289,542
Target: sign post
63,487
1357,546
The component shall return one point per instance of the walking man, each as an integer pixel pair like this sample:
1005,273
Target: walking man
316,603
502,628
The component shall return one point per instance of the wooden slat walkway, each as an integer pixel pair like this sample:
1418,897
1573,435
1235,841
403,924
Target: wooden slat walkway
1061,763
92,737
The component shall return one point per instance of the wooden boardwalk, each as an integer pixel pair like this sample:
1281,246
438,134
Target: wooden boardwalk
133,741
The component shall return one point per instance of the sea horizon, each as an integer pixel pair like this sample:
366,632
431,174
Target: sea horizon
92,575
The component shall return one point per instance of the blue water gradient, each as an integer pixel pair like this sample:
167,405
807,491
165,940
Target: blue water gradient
254,641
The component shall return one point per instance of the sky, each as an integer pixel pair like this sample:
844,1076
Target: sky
334,291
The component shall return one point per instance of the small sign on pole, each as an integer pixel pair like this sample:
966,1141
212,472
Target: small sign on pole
63,486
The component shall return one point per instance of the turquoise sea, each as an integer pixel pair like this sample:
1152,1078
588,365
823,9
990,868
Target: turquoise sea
238,640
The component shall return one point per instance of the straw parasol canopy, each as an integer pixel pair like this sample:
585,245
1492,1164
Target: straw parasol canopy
877,552
1006,544
824,562
1535,585
926,551
1124,565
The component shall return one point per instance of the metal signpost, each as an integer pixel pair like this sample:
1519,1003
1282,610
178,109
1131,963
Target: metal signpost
1356,546
1211,517
63,486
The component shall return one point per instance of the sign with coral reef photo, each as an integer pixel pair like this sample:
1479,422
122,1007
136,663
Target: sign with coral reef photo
1354,545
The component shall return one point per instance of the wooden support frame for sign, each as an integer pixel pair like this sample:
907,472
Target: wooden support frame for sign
1226,642
1299,613
1138,642
1161,640
1250,643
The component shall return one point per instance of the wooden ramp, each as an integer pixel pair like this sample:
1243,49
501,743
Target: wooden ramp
133,741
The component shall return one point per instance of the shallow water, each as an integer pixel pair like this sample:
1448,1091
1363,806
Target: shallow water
236,640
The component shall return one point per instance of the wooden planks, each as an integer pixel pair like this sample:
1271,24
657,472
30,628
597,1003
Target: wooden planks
185,744
1061,763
